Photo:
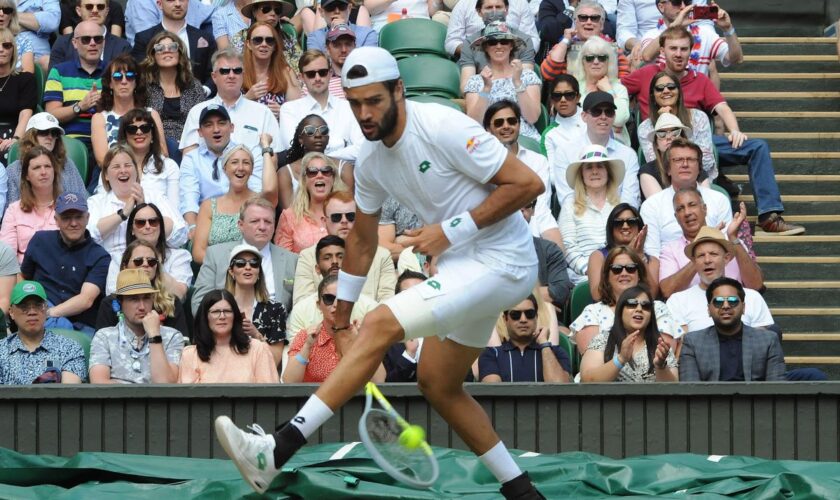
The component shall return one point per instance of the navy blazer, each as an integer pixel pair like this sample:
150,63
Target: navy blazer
762,356
202,46
63,50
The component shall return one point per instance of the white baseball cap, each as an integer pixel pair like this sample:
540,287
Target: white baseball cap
43,121
377,62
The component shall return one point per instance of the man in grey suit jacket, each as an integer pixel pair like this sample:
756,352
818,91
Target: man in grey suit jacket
256,221
730,350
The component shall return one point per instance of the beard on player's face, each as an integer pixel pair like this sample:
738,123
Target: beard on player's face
387,124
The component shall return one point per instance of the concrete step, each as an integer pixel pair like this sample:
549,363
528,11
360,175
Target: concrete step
805,244
796,165
798,206
777,18
805,63
787,46
814,293
798,319
783,101
791,121
768,82
796,184
790,267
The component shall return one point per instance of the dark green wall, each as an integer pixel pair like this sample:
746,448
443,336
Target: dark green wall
777,421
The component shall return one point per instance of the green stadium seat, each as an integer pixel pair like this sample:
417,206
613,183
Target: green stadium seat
40,81
580,298
542,121
14,152
430,75
530,144
572,351
411,37
82,338
437,100
721,190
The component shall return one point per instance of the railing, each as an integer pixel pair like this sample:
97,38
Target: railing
768,420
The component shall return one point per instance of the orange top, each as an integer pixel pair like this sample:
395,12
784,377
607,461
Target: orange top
323,357
227,367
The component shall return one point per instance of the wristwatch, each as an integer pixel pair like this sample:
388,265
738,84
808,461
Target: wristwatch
268,150
77,109
544,345
122,214
156,340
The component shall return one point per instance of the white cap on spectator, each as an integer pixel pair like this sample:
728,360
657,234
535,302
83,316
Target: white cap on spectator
379,66
43,121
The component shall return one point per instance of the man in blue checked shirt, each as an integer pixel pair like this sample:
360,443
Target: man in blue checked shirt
34,354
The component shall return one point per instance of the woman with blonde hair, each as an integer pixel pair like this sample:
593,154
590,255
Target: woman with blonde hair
9,20
268,79
218,218
304,222
598,71
18,92
40,186
595,179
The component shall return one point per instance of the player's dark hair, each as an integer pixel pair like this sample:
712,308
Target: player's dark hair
499,106
408,274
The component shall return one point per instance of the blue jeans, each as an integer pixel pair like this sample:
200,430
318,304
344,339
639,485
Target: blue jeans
755,153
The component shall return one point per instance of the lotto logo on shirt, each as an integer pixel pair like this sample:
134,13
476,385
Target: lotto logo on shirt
472,144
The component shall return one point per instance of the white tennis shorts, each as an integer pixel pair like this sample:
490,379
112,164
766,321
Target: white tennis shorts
463,301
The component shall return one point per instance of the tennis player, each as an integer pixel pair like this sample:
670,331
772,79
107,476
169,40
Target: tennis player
467,190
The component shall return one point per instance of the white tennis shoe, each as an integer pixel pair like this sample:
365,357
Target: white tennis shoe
253,454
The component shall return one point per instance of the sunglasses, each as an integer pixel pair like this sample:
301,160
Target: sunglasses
265,9
645,304
151,222
7,45
150,261
53,132
492,43
312,130
320,72
226,71
128,75
676,3
529,314
328,299
259,40
630,268
133,129
661,87
632,222
7,10
600,57
669,134
732,300
559,96
312,172
95,6
85,39
602,111
336,218
240,263
583,18
160,48
510,120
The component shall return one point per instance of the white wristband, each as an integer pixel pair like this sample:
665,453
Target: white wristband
349,286
459,228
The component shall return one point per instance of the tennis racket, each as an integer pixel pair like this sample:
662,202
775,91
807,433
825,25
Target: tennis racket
412,463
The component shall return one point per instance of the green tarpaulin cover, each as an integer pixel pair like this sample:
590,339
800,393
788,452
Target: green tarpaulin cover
345,471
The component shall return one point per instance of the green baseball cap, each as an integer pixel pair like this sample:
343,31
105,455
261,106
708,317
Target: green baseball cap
27,289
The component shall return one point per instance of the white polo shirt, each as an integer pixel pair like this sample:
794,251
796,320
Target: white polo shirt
250,119
689,307
542,220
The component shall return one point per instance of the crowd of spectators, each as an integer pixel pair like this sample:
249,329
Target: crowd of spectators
177,197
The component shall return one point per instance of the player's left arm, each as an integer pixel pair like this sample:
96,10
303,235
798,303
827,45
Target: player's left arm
516,186
360,249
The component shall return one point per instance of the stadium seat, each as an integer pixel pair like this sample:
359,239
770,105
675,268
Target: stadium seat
14,152
530,144
82,338
77,152
721,190
542,121
411,37
578,300
39,83
572,351
430,75
437,100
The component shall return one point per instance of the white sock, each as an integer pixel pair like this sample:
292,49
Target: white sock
313,415
500,463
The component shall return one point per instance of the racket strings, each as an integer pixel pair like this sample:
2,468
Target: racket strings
384,432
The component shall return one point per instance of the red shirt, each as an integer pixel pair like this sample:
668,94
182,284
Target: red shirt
698,92
323,357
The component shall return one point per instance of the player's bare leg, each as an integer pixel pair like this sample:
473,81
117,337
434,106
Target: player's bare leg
440,375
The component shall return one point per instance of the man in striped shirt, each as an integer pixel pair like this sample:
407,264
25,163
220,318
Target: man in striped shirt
341,40
72,89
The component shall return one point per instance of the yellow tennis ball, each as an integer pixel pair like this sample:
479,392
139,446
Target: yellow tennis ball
412,437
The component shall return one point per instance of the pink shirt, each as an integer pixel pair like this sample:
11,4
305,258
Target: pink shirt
672,258
19,226
227,367
294,235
